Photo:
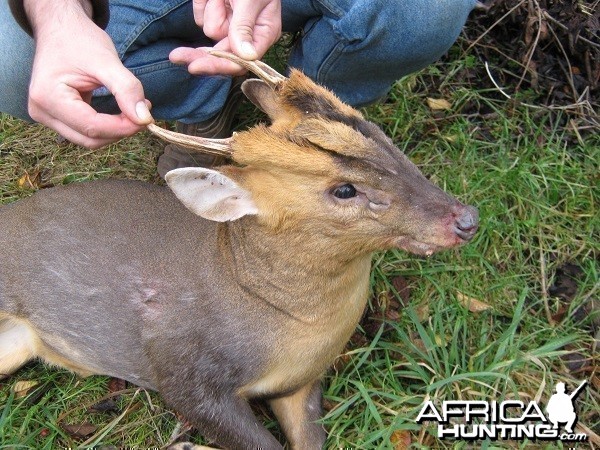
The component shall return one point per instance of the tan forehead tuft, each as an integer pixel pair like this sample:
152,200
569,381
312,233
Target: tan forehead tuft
262,147
334,137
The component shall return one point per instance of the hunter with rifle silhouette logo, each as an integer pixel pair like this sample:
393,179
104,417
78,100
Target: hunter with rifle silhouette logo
560,407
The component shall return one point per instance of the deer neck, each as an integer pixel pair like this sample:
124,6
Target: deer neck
306,276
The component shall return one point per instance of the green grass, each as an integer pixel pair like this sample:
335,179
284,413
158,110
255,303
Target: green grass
535,183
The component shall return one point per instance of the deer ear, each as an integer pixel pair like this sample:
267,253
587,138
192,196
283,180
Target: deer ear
263,97
210,194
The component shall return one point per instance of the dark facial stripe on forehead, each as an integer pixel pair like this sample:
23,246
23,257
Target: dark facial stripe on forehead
310,103
361,163
368,130
307,102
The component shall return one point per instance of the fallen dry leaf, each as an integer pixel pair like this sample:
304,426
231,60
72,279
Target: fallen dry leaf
392,315
566,282
472,304
358,340
105,406
401,285
328,405
372,322
559,315
401,439
438,104
422,311
116,385
418,343
37,393
341,362
79,430
23,387
577,362
30,181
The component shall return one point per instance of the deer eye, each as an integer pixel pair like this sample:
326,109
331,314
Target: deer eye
344,191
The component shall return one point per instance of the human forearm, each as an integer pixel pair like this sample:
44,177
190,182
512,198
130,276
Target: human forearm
28,12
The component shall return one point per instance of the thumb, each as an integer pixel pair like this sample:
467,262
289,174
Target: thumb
129,94
241,29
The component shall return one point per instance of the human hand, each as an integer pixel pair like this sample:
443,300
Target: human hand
245,27
73,57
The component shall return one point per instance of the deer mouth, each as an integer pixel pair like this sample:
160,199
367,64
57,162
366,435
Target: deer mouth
454,230
417,247
427,249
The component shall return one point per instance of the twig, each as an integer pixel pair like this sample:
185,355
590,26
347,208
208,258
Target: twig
508,13
572,106
568,73
564,27
533,47
591,435
487,69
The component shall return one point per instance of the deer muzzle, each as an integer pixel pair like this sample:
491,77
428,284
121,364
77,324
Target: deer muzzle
466,222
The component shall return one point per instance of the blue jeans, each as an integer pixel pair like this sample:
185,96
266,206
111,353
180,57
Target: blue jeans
356,48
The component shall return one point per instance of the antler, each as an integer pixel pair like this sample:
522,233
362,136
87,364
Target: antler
259,68
221,147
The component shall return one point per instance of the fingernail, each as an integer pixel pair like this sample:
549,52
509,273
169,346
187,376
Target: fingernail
249,50
142,111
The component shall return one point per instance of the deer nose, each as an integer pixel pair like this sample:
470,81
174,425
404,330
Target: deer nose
466,222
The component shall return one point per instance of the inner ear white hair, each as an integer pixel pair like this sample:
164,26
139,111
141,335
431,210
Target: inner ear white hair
210,194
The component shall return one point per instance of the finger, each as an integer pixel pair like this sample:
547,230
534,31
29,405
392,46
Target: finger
81,124
89,138
254,28
216,19
76,137
265,37
185,55
128,92
199,62
198,8
241,29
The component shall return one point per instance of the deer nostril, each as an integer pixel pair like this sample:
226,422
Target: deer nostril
466,222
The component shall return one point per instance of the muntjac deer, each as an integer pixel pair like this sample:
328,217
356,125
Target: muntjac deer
234,284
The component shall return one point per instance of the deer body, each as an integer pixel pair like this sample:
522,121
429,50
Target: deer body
142,280
131,303
245,284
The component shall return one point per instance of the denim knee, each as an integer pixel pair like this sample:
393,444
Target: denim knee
16,60
358,48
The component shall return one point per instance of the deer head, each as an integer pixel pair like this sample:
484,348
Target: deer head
320,167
